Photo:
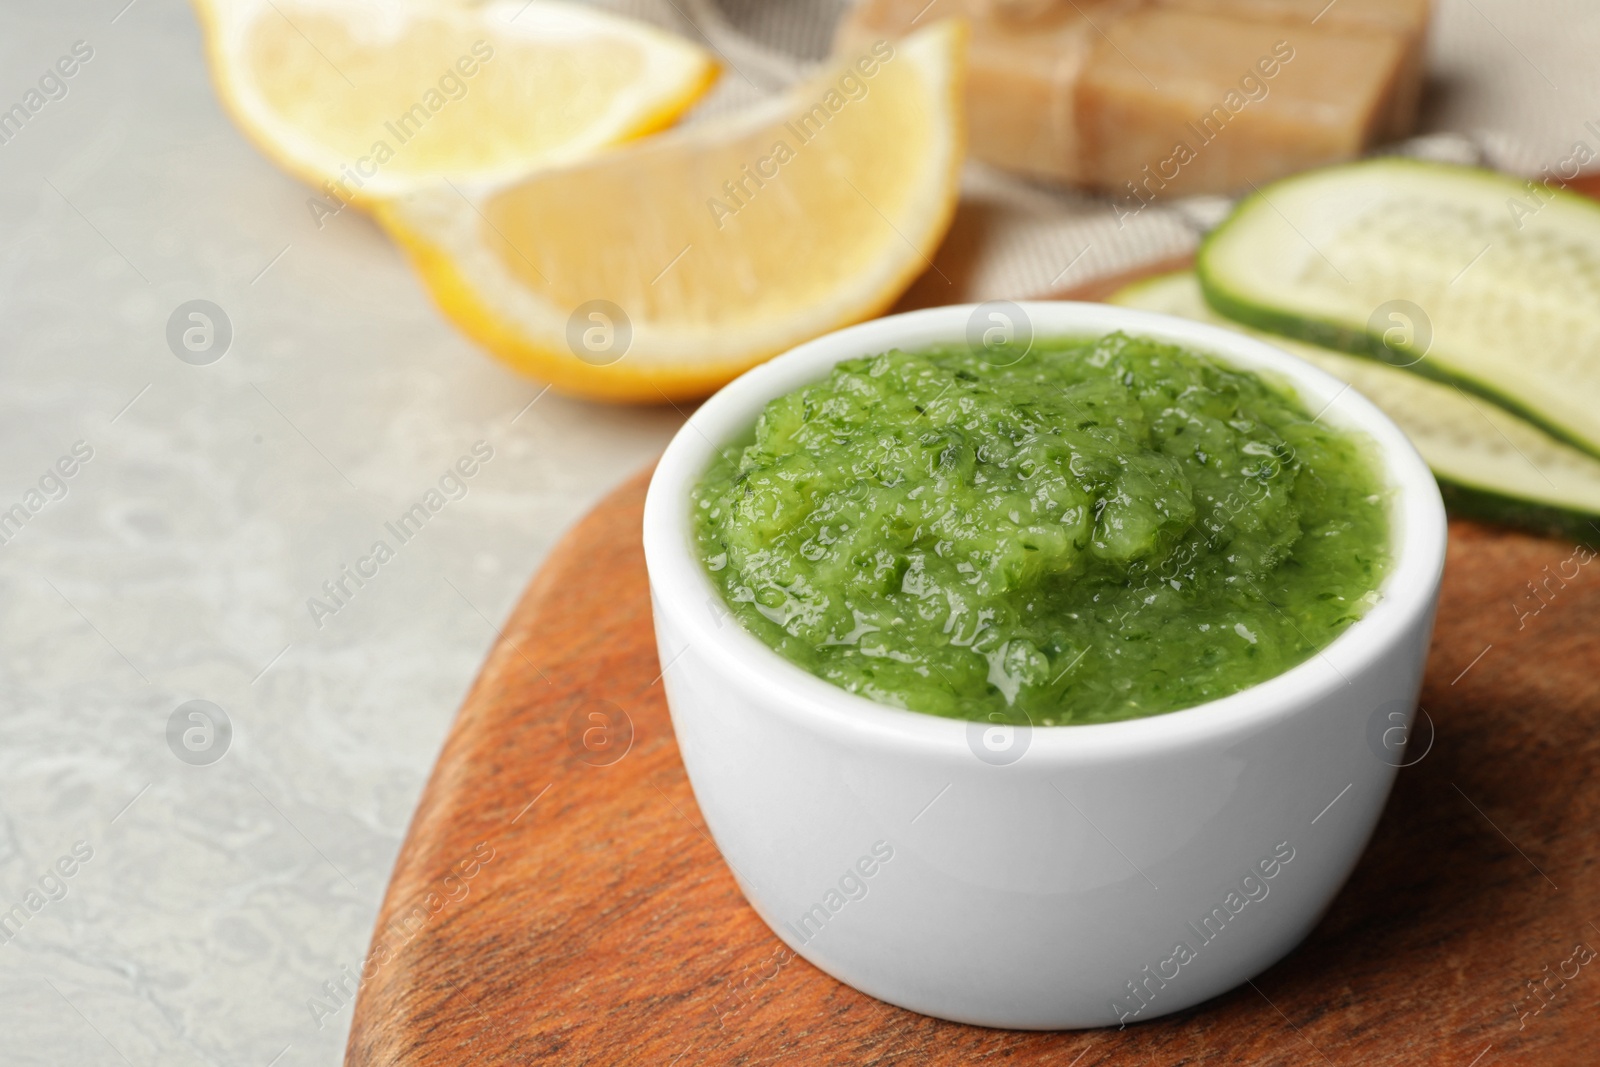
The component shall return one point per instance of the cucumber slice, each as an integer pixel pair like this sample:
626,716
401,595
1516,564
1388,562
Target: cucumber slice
1490,464
1460,274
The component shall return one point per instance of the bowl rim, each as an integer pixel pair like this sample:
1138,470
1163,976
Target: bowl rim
682,591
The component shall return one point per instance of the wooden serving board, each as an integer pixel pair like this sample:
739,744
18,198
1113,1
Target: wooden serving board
559,900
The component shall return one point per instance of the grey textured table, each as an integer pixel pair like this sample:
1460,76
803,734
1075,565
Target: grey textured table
212,908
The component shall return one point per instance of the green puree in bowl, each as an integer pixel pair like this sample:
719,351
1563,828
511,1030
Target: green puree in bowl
1104,529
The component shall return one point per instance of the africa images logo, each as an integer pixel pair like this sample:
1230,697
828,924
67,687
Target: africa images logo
1253,888
850,87
403,128
851,885
52,86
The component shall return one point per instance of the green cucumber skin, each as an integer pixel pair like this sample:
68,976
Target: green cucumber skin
1316,331
1472,502
1361,343
1358,341
1461,500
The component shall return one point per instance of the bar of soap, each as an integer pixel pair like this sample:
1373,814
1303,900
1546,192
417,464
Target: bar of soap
1025,60
1400,15
1172,97
1406,19
1175,103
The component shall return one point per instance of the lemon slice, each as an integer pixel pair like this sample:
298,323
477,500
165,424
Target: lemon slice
370,98
664,268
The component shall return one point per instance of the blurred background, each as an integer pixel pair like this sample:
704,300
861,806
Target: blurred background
230,883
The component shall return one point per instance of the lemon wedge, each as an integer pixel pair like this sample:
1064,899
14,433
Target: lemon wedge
664,268
371,98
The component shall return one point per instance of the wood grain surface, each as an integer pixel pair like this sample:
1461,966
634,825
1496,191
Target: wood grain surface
559,900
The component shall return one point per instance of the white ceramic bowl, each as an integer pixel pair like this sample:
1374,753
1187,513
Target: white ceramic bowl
1067,876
